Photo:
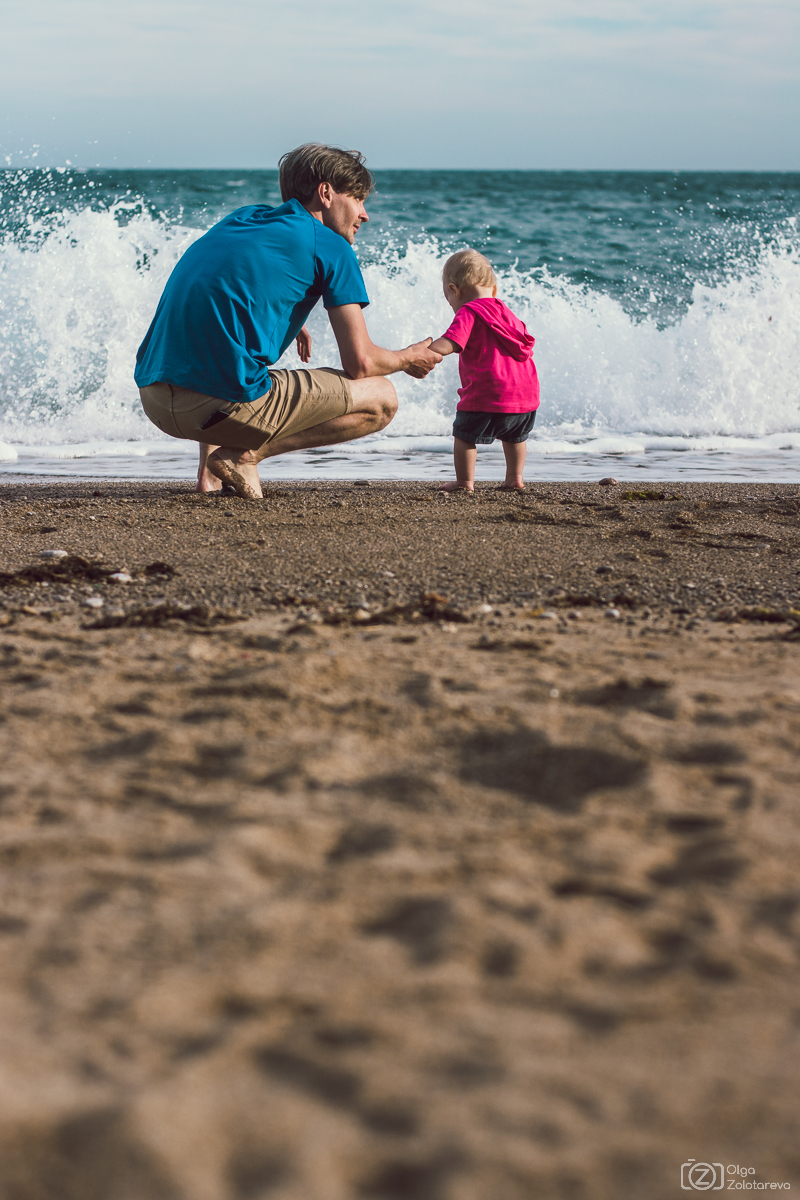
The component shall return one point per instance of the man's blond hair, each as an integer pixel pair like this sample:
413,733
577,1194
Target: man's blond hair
468,269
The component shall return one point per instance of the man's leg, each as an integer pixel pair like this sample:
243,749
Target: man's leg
206,482
374,405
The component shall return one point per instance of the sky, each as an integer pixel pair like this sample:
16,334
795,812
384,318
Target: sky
518,84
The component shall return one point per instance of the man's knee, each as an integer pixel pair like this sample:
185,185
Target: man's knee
388,400
377,397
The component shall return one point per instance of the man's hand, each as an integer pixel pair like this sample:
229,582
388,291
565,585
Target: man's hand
423,359
304,345
362,359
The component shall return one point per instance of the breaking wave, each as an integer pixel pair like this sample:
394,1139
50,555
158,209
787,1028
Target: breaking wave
79,287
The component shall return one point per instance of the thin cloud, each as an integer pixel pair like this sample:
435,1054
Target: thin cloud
517,82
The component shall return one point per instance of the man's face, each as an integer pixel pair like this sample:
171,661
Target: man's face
345,215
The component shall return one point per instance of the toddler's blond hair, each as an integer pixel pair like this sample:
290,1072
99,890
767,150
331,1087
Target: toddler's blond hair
468,269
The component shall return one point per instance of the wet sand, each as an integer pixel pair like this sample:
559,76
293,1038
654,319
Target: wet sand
376,843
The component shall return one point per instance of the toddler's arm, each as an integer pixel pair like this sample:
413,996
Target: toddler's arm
441,346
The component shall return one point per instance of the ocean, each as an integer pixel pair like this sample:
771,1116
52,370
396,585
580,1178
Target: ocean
664,307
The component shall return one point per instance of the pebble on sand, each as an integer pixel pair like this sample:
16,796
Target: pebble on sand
52,553
608,481
121,577
613,614
94,602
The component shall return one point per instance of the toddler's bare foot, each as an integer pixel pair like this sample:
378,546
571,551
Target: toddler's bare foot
232,467
457,486
511,487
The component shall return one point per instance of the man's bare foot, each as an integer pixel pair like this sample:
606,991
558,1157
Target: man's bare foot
229,467
206,482
456,486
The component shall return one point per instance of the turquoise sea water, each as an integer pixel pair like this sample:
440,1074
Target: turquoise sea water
664,306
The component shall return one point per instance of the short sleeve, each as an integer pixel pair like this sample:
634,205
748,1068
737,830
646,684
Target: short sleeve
461,327
341,279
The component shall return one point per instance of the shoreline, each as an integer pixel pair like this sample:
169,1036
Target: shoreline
372,839
341,466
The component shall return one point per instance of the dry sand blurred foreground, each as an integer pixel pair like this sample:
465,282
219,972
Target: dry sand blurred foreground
367,843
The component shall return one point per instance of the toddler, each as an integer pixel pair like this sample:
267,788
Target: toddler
500,388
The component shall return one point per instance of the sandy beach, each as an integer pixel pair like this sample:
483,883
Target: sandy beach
372,843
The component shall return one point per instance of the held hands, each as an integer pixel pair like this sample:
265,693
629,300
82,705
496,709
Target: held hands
304,345
422,359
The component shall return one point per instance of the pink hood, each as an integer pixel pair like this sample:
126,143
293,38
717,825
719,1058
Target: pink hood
507,328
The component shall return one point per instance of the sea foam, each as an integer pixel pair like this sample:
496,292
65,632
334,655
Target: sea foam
79,292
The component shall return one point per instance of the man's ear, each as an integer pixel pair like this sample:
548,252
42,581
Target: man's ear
325,193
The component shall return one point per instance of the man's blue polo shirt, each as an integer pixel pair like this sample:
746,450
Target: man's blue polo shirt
240,295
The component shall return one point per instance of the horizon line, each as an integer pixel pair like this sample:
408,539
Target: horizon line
70,166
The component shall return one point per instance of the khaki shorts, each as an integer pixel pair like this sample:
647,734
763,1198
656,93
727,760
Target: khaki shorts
297,400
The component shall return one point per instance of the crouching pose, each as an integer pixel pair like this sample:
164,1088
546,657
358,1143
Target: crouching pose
234,302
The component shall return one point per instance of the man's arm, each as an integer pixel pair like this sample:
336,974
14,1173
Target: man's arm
362,359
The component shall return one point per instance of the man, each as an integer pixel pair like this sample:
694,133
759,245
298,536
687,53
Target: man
239,296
